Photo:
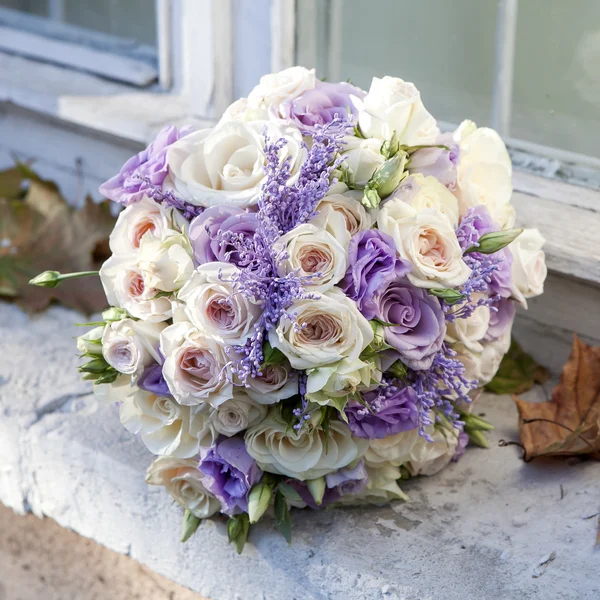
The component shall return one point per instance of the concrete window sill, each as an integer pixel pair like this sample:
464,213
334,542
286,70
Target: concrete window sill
480,529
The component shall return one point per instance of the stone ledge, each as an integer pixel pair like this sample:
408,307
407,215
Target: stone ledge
477,530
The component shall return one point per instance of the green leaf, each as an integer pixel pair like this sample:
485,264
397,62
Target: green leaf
448,295
494,241
477,437
390,147
316,487
282,517
238,528
340,405
108,377
272,356
189,525
518,372
289,492
399,370
258,501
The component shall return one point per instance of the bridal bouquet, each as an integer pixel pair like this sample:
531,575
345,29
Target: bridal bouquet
307,296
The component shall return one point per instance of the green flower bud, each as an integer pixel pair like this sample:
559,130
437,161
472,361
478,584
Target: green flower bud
49,279
494,241
316,487
449,295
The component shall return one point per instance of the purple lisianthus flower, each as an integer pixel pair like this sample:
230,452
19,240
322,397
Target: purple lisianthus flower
152,381
372,263
438,162
501,318
229,473
391,409
478,223
349,480
463,441
320,105
143,171
415,323
209,246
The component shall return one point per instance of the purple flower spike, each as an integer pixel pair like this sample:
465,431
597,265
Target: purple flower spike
229,474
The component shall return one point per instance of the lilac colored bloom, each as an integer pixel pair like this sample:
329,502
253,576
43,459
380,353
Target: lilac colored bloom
144,171
349,480
209,246
390,409
438,162
502,315
463,440
321,105
229,473
417,323
372,263
152,381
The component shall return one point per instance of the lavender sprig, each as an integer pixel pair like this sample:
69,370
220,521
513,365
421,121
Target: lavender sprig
168,198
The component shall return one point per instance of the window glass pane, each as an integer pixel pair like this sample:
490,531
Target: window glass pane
556,94
131,19
445,47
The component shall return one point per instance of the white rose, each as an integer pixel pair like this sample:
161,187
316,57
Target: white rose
214,308
308,454
428,458
166,262
340,379
225,165
91,341
529,265
482,365
195,366
274,88
471,330
484,173
349,206
428,241
237,414
183,481
362,157
393,105
125,287
240,110
394,449
326,330
141,218
423,193
311,250
129,346
165,426
274,384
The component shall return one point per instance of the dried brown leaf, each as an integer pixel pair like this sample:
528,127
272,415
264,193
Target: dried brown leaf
41,232
570,423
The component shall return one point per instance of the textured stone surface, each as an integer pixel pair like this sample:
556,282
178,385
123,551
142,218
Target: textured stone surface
41,560
480,529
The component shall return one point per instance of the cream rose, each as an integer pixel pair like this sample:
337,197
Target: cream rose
240,110
274,88
237,414
428,458
212,306
427,239
165,426
382,486
326,330
395,106
166,263
125,287
340,379
183,481
423,193
195,366
529,265
471,330
129,346
280,449
484,173
225,165
349,207
362,157
274,384
142,218
316,253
